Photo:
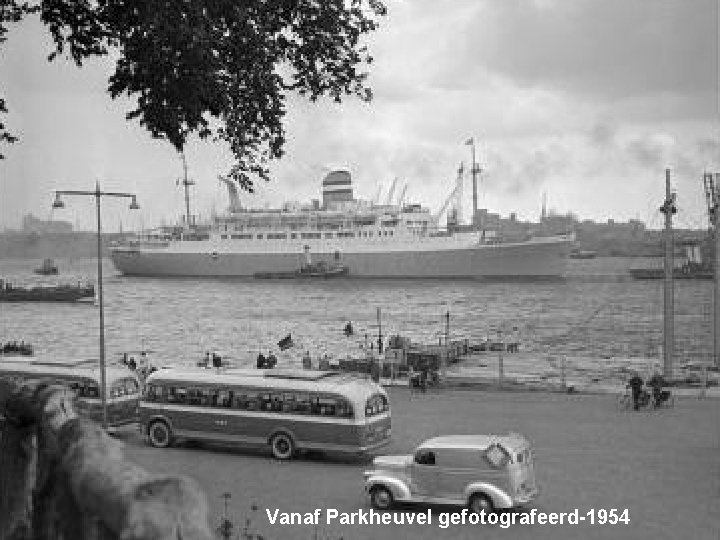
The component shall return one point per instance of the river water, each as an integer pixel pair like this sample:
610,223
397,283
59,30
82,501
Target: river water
598,311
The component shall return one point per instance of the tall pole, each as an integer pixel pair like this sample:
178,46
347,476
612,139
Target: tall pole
501,367
474,170
380,335
715,221
133,206
447,343
668,208
186,184
103,384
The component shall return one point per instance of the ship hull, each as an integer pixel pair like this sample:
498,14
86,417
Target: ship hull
47,294
540,258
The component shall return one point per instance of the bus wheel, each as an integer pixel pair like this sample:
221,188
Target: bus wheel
381,498
159,434
282,446
480,502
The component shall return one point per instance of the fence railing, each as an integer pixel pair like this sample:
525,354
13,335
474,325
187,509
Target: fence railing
63,478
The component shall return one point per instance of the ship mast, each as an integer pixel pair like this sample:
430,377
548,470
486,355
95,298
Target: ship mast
186,184
475,170
712,196
668,208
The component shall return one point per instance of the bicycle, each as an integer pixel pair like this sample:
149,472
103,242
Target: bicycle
664,400
625,401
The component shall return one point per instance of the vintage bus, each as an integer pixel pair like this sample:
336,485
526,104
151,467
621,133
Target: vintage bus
287,410
83,378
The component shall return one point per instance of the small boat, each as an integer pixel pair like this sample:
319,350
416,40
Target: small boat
13,348
582,254
55,293
694,267
685,271
47,268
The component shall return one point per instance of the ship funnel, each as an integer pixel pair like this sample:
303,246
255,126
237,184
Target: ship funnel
337,188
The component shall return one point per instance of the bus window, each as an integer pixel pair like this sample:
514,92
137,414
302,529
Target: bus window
376,404
193,396
221,398
344,408
327,406
177,395
301,404
206,397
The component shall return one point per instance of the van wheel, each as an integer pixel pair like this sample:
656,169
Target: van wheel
282,446
159,434
480,502
381,498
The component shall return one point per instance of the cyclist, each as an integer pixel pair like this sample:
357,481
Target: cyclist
657,382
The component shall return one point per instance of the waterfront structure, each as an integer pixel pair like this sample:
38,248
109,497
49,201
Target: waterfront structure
370,240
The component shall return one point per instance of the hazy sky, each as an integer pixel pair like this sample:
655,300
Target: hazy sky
587,100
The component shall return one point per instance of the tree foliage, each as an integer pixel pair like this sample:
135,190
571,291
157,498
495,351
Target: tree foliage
218,68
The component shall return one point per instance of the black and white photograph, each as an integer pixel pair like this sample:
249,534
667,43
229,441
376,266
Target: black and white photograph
359,269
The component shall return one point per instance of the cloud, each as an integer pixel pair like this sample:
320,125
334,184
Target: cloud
614,48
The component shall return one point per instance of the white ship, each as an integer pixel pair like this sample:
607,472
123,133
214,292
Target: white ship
365,239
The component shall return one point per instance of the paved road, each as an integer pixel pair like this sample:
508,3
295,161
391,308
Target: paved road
663,466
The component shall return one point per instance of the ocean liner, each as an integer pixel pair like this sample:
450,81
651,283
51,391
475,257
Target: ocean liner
365,239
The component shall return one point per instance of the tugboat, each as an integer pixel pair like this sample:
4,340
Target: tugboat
322,270
317,270
308,269
47,268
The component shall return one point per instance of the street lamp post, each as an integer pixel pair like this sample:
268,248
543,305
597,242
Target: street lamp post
58,203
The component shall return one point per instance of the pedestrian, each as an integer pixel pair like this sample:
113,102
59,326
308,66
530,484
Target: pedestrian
307,360
271,360
656,382
216,360
636,386
261,361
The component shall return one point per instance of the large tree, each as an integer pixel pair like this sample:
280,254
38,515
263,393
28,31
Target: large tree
216,68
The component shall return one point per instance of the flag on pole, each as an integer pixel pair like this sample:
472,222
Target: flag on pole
286,343
470,141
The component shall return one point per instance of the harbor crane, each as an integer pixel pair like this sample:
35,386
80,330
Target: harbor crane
376,197
711,199
456,194
388,199
401,198
444,206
